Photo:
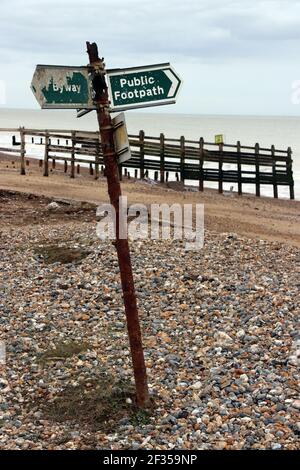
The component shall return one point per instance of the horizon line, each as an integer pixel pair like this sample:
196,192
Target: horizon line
2,108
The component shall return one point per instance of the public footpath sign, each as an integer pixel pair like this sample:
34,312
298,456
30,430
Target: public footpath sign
140,87
62,87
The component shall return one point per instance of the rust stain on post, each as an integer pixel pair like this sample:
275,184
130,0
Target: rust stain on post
122,246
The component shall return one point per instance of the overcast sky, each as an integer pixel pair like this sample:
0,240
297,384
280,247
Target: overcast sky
235,57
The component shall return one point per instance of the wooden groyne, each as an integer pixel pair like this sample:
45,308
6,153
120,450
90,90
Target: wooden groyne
188,159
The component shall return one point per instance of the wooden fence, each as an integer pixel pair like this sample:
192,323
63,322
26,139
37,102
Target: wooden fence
187,159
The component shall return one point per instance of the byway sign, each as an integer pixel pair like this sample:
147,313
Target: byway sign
140,87
62,87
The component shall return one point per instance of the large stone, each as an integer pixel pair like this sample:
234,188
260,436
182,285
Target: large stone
53,206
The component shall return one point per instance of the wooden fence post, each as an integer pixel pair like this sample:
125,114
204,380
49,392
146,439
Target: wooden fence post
97,158
275,188
221,168
23,151
162,157
142,154
290,172
46,155
53,163
239,168
182,155
72,175
91,169
257,174
65,166
201,161
78,169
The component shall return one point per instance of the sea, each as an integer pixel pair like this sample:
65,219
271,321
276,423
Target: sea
282,132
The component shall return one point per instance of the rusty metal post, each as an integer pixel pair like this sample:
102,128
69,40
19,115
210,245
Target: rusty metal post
122,246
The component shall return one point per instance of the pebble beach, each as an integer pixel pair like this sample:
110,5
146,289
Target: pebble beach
150,233
220,329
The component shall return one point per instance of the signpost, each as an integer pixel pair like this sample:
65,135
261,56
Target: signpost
114,190
85,89
140,87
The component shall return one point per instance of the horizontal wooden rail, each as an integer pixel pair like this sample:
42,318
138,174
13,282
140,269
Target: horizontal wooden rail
10,150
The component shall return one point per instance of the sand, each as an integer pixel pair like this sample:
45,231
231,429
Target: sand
263,218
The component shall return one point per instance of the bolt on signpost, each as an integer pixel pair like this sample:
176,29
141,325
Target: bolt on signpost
86,89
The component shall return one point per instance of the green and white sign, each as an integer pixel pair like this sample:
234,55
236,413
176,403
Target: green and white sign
67,87
64,87
140,87
219,139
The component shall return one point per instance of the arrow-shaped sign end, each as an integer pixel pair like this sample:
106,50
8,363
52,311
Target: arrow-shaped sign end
175,80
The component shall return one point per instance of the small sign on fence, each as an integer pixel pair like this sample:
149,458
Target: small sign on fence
219,139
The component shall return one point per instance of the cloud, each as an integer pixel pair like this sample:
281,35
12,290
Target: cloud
220,38
207,30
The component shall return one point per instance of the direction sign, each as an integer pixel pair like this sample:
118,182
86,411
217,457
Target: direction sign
140,87
57,86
